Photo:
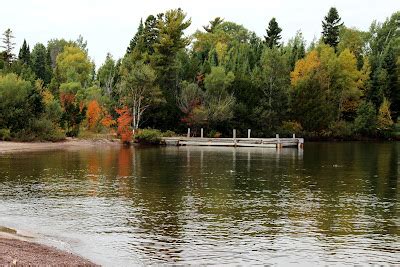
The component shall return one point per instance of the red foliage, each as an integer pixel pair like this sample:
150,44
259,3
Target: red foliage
124,121
67,98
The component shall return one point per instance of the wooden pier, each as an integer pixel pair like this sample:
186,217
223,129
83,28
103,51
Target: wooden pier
276,142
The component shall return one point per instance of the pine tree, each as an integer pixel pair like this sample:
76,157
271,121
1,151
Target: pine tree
133,43
8,46
331,28
25,54
273,34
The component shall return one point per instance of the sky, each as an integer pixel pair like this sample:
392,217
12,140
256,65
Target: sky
108,25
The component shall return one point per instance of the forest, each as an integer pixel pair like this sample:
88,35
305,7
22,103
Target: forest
344,85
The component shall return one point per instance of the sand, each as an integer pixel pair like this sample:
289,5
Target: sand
12,147
21,250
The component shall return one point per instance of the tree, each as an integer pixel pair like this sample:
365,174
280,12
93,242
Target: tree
40,63
73,65
170,41
93,114
20,103
213,24
365,122
191,102
8,46
135,40
24,54
106,74
274,82
296,49
124,121
73,110
273,34
331,28
218,101
138,88
384,120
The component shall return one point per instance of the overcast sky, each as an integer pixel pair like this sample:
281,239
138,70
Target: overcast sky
108,25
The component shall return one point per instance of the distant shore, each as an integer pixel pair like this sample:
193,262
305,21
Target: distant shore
18,250
13,147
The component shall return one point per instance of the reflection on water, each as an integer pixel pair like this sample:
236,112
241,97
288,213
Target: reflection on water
331,203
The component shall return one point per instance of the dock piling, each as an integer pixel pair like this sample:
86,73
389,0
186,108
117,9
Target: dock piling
248,133
201,133
188,133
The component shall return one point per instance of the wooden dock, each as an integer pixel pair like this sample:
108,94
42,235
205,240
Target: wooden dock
235,142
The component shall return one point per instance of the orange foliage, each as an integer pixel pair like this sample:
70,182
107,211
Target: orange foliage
124,121
93,114
107,121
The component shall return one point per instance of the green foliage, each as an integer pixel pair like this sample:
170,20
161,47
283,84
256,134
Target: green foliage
8,46
169,134
331,28
24,54
273,34
365,122
40,63
15,100
290,127
138,88
5,134
73,65
148,136
219,102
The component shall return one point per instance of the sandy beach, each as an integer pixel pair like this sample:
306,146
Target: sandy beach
69,143
20,250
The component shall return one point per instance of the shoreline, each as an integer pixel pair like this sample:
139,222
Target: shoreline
70,143
20,250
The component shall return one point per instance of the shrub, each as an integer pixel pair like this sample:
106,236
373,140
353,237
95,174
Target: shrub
214,134
41,129
169,134
5,134
341,129
291,127
148,136
365,122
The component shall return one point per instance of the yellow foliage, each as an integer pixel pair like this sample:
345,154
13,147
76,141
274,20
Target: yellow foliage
47,97
221,49
304,67
384,119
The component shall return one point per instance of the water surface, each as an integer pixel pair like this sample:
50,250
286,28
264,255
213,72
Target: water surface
329,204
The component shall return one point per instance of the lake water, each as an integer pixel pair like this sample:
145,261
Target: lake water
329,204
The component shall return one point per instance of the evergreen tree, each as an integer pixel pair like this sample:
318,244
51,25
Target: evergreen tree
40,63
273,34
8,46
331,28
133,43
213,24
24,54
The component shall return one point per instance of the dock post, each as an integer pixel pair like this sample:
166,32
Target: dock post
234,137
188,133
294,136
301,143
278,144
248,133
201,132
